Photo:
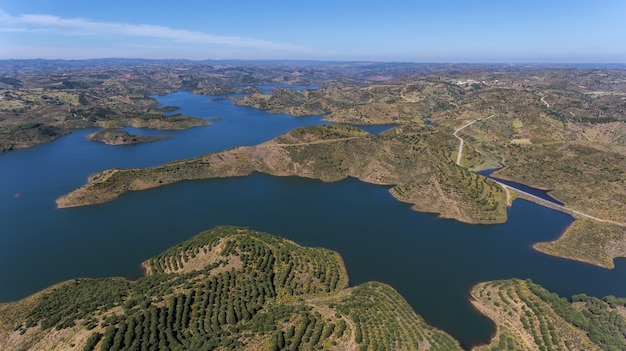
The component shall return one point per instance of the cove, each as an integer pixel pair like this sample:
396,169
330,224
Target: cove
432,262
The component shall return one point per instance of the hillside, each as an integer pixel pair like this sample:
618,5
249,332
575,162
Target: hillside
224,289
528,317
559,130
407,158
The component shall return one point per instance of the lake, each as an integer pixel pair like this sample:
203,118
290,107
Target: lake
432,262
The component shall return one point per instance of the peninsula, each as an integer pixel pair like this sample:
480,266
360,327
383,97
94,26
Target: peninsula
405,158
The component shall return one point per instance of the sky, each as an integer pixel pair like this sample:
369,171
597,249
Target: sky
474,31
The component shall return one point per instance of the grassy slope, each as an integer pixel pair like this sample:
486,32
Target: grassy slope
584,176
29,134
227,288
374,104
567,147
523,320
548,132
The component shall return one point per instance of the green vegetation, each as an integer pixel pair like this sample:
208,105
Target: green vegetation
602,320
121,137
528,317
235,288
550,129
378,103
520,317
382,323
76,300
229,289
586,177
589,241
28,134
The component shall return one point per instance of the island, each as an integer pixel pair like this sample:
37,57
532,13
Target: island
113,136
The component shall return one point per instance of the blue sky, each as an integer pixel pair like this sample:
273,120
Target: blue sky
393,30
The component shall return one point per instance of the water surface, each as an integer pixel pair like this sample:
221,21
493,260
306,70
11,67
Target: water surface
542,194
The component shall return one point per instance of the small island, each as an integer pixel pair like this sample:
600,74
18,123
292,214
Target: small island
113,136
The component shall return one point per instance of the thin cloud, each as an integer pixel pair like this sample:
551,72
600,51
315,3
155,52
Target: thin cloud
81,27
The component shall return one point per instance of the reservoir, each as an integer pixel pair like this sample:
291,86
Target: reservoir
542,194
432,262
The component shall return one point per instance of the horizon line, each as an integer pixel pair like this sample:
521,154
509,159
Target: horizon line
486,62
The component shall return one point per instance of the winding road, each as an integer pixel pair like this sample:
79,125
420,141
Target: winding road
461,142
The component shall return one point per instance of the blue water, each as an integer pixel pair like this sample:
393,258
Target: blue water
432,262
268,88
543,194
375,129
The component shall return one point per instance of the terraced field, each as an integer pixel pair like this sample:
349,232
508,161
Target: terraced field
528,317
